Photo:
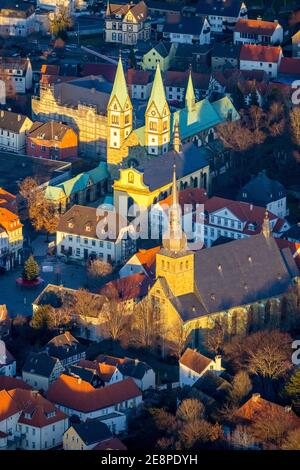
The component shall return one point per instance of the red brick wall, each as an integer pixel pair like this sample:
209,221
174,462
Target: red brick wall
66,148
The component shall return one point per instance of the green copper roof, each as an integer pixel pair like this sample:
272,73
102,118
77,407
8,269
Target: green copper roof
158,95
78,183
119,88
190,98
204,116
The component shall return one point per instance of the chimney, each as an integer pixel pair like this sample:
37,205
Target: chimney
19,117
256,397
79,380
218,362
251,207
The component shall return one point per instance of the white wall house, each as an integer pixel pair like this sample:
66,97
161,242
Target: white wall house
4,246
265,58
258,32
188,31
127,26
222,16
18,20
13,129
41,438
16,73
41,370
8,363
193,365
78,237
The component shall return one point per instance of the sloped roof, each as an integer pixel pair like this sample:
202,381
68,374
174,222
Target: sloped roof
261,190
194,360
92,431
79,395
8,407
235,274
229,8
265,28
158,95
11,121
51,130
9,383
63,346
185,26
134,286
40,364
290,66
258,53
111,444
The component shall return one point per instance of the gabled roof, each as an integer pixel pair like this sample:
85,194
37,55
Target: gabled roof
79,395
36,410
258,53
51,130
139,77
8,407
12,121
92,431
257,407
64,346
261,190
111,444
40,364
128,367
195,361
9,383
126,288
265,28
190,26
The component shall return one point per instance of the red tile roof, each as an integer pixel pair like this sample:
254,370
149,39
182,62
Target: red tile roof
8,200
110,444
80,395
258,53
8,383
290,66
139,77
8,407
180,79
36,410
257,407
194,360
147,259
107,71
265,28
130,287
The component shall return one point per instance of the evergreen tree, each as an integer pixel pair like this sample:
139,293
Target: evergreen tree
292,389
31,269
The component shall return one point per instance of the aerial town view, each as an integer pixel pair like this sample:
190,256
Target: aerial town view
149,229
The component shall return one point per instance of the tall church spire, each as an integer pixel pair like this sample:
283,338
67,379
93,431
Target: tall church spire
158,96
175,239
266,229
190,98
119,90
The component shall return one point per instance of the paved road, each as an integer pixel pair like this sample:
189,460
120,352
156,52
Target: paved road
19,299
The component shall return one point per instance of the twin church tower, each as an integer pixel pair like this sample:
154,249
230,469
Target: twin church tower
155,135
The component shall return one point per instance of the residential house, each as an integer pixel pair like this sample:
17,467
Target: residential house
106,374
176,84
165,9
88,325
4,245
142,262
29,421
225,56
9,383
142,374
13,130
127,24
8,363
66,349
87,371
222,15
258,32
87,435
16,74
162,53
41,370
234,220
52,140
83,233
139,83
289,71
81,189
8,200
108,404
257,57
192,56
17,19
265,192
188,31
257,408
292,234
10,223
193,365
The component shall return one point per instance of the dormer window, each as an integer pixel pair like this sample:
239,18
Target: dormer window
71,224
88,227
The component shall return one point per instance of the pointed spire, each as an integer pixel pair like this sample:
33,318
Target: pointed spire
174,239
119,88
176,137
158,96
266,229
107,13
190,98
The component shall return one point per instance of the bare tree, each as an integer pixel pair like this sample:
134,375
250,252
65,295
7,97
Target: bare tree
214,338
190,409
241,387
146,324
241,438
115,320
179,338
87,304
194,434
98,268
